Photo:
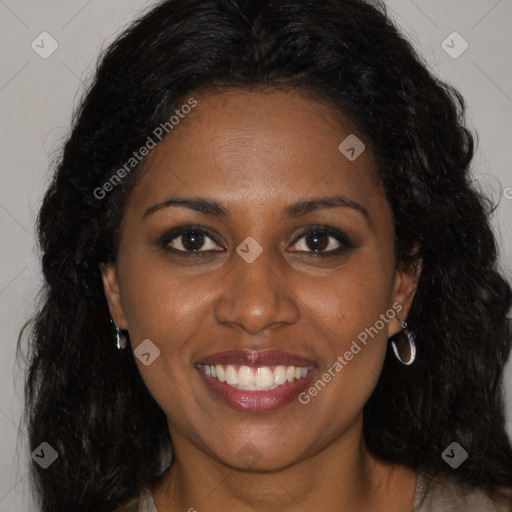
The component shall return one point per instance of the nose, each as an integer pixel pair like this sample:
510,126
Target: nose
255,296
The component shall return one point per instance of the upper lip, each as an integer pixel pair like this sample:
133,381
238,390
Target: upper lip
256,358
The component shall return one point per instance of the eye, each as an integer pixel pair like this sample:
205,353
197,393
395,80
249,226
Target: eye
315,241
189,239
322,241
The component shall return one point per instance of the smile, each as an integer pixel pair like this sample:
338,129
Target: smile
264,378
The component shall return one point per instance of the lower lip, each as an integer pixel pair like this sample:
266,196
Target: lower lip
257,401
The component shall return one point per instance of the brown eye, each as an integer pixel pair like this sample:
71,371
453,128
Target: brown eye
188,239
317,241
322,241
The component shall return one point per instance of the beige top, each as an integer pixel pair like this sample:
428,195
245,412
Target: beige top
432,495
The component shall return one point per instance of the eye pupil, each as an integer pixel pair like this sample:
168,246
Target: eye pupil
320,241
192,241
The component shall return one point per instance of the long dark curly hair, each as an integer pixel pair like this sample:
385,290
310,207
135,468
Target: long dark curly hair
87,399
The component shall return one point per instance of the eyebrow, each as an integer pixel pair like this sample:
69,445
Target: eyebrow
211,207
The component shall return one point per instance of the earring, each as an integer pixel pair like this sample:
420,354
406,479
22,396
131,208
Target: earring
120,339
412,345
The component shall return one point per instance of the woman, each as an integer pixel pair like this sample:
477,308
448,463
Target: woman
270,284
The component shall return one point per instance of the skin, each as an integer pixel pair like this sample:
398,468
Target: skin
257,153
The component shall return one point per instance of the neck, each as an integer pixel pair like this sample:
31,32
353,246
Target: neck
341,476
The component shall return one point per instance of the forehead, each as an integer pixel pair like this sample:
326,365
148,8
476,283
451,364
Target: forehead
266,147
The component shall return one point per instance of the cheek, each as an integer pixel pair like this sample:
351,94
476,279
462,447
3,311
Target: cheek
351,299
346,310
156,297
164,306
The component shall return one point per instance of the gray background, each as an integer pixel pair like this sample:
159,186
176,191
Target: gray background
37,97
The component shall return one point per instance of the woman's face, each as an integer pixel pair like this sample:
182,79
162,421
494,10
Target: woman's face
249,292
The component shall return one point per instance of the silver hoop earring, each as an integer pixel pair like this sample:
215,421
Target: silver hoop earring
412,345
120,339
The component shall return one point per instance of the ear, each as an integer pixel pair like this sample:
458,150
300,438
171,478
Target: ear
404,289
113,294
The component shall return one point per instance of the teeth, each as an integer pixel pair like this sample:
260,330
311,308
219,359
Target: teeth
280,374
231,375
221,374
255,379
264,377
245,376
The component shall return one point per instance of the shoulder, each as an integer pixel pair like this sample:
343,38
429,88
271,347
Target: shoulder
142,503
146,503
439,494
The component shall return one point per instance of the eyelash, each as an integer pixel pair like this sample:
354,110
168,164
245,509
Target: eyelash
341,238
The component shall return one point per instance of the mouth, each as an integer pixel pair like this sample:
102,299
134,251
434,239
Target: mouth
256,381
262,378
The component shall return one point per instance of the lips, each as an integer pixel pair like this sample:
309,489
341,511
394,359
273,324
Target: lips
257,358
225,374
